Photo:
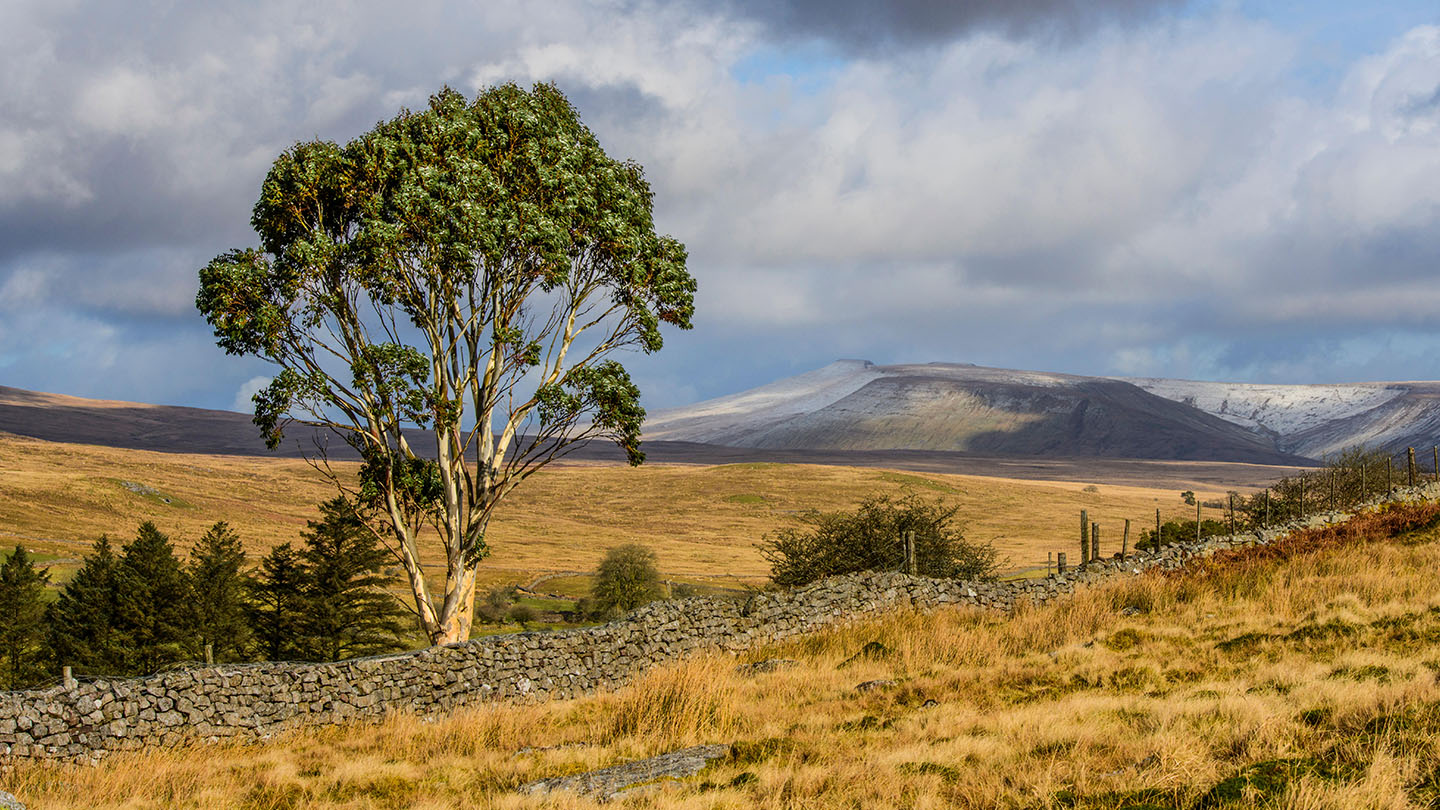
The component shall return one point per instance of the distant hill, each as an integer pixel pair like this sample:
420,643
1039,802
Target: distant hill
134,425
1318,420
933,416
855,405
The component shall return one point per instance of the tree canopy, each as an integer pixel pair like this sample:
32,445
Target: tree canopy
467,270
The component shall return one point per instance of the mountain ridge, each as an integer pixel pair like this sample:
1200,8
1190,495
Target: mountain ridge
856,404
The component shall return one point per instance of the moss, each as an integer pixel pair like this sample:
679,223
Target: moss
1333,629
947,773
1263,782
1122,640
1244,643
749,752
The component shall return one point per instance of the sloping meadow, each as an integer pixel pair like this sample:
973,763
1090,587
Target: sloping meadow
1297,675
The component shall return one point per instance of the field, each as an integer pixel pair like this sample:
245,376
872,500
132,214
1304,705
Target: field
703,520
1303,677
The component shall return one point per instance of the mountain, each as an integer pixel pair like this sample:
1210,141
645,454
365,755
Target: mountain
1318,420
855,405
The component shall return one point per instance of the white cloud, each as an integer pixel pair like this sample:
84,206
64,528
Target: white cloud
1104,202
244,398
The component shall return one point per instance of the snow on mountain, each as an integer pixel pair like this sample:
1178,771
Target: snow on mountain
853,405
856,405
1277,410
708,421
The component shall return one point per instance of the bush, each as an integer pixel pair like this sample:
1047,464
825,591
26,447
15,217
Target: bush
869,539
627,578
522,615
496,604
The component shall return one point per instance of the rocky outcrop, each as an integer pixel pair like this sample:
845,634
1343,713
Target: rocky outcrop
610,783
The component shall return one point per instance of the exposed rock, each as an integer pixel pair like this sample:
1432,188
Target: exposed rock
607,783
9,802
875,685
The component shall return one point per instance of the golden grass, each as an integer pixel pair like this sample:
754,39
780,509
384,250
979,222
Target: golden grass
703,521
1303,681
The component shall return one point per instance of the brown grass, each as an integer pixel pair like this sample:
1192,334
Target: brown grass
1299,679
703,521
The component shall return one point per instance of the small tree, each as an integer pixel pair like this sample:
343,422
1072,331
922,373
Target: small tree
152,603
278,605
80,625
219,588
869,539
22,614
348,612
469,270
627,578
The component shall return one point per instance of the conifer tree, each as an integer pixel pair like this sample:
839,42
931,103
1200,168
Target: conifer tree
218,592
22,613
278,605
80,625
152,602
350,612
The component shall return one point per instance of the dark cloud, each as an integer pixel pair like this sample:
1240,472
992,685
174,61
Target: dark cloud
865,25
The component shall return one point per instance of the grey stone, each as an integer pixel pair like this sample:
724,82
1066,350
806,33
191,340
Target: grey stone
609,783
9,802
875,685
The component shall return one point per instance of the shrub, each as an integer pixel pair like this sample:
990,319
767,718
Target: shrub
522,614
496,603
869,539
627,578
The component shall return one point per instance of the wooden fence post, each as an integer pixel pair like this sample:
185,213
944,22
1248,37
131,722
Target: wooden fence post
1049,562
1389,475
1302,495
67,677
1095,541
1436,448
1084,536
1125,540
1232,513
1410,466
908,539
1060,563
1266,524
1197,519
209,655
1157,531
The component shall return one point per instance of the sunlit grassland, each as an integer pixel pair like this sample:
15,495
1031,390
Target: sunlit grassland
1303,680
703,521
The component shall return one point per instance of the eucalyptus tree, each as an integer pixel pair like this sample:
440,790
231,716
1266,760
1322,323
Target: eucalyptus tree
467,271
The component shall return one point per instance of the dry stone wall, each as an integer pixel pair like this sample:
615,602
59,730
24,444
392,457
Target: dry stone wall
86,721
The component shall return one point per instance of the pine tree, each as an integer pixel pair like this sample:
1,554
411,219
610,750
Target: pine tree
22,614
152,602
350,611
218,588
80,625
278,605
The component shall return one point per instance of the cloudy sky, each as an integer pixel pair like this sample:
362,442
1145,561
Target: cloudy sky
1214,190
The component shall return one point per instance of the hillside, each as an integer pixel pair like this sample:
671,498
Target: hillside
857,406
1318,420
1301,676
704,521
